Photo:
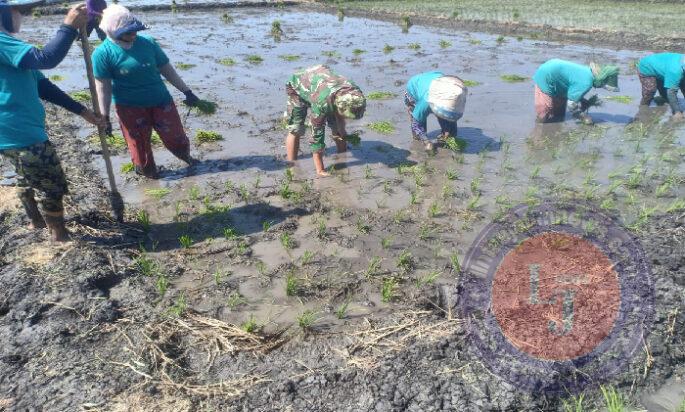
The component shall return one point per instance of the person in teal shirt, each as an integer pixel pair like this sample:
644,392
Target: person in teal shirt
559,83
128,69
23,138
434,93
662,72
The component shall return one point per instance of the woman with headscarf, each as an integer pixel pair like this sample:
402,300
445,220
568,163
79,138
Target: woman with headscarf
332,99
128,69
433,92
663,72
23,138
559,83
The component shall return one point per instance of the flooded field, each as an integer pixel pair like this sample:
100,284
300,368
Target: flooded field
244,239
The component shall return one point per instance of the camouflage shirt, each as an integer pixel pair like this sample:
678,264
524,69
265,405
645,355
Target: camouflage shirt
317,86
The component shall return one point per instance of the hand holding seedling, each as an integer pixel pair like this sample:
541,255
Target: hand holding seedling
77,16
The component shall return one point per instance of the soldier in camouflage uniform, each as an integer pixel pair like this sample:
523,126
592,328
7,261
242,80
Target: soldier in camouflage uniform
331,99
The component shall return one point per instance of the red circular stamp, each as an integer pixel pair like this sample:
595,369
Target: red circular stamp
556,296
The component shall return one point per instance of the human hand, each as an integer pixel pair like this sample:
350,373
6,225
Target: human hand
191,100
94,119
77,16
586,119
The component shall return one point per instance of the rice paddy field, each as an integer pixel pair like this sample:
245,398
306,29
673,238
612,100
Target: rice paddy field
245,283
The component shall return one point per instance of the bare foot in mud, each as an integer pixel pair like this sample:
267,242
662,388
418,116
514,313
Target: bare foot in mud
323,173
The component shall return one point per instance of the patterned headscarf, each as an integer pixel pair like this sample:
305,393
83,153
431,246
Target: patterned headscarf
605,76
351,104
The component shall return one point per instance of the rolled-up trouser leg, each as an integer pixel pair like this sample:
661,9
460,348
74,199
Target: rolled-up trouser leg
39,173
649,88
167,123
136,126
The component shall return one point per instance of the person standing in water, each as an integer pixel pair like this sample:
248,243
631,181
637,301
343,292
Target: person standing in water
663,72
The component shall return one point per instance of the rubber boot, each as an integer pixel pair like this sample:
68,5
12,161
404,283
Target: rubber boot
55,222
32,211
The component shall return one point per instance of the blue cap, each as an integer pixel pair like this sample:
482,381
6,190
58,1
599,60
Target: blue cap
134,26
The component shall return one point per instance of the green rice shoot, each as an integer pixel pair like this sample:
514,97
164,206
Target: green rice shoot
185,66
127,168
207,136
354,139
226,61
619,99
206,107
513,78
383,127
158,193
290,57
58,78
380,95
471,83
82,96
456,144
254,59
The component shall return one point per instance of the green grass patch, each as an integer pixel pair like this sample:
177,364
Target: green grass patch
290,57
383,127
115,141
59,78
456,144
207,136
226,61
471,83
387,49
158,193
444,44
619,99
354,139
414,46
331,53
513,78
128,168
254,59
206,107
357,52
185,66
380,95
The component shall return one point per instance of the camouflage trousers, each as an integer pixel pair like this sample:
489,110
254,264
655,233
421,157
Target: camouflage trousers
40,175
296,118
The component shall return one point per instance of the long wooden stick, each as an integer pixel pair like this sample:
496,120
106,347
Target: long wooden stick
115,197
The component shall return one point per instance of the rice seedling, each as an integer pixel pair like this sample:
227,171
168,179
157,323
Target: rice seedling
206,108
475,185
266,225
81,96
306,319
357,52
354,139
147,266
413,198
306,257
162,284
276,29
186,241
287,241
285,191
158,193
261,268
331,53
388,290
242,247
127,168
501,40
321,230
250,325
433,210
405,261
292,284
374,267
387,49
451,174
414,46
368,172
612,399
619,99
536,172
219,275
608,204
226,61
227,18
676,206
206,136
341,311
380,95
143,219
446,192
663,190
362,226
57,78
290,57
475,42
235,299
456,144
516,15
185,66
454,261
180,305
513,78
444,44
473,203
254,59
405,23
429,279
471,83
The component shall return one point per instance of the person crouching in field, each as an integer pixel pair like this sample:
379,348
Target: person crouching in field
332,99
559,82
433,92
128,70
663,72
23,139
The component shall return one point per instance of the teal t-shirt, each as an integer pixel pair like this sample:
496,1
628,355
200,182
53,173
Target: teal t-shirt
418,87
667,67
22,116
560,78
134,72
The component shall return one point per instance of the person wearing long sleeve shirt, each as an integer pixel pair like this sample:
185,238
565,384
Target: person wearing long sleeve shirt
23,138
128,70
663,72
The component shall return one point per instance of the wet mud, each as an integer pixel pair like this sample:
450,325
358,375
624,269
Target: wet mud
240,284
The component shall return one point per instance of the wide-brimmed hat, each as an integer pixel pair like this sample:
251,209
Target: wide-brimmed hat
606,76
351,104
118,20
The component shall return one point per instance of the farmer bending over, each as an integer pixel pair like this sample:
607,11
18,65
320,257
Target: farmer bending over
663,72
433,92
558,82
23,139
128,69
332,99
